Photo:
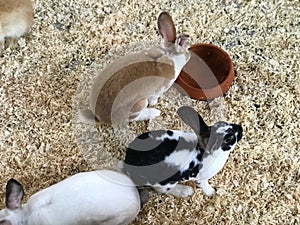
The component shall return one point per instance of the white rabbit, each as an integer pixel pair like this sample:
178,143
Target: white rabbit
163,158
88,198
15,19
124,89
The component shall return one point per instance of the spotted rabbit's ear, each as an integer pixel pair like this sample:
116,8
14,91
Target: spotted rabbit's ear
14,194
191,117
5,222
166,27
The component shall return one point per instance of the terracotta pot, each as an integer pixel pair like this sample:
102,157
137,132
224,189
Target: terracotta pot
208,74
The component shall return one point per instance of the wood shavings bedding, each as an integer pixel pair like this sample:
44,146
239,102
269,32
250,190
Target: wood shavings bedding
45,80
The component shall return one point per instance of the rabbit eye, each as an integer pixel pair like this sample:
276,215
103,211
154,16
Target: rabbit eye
229,138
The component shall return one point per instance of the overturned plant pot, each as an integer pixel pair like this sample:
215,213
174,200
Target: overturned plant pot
208,74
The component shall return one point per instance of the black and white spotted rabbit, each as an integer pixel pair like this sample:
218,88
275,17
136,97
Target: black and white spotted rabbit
162,158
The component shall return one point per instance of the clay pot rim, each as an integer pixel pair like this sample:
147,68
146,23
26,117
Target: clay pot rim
224,85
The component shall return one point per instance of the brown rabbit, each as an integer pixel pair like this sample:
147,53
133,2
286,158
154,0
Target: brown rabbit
124,89
15,19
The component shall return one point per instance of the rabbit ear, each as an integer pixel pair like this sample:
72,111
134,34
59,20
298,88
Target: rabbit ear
191,117
14,194
166,27
5,222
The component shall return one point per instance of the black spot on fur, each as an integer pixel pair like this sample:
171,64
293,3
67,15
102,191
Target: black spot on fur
191,164
170,133
145,155
239,130
147,150
232,136
199,157
226,147
186,175
144,136
182,176
201,153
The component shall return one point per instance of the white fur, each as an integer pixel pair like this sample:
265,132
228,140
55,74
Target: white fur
16,28
179,62
188,136
213,163
222,130
177,190
99,197
181,159
185,163
206,187
147,114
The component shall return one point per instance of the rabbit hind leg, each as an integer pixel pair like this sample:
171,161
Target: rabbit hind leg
139,111
177,190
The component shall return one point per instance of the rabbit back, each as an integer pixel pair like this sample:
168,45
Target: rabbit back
162,157
94,197
97,197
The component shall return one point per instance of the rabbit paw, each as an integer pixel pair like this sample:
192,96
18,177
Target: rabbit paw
209,191
206,188
153,113
181,191
147,114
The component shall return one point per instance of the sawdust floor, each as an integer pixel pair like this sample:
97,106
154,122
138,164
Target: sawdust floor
45,80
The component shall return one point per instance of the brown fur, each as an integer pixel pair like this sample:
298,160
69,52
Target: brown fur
124,89
15,19
150,65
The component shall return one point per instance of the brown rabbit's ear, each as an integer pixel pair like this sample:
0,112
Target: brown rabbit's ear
166,27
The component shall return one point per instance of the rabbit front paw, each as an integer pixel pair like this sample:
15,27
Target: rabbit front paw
147,114
206,188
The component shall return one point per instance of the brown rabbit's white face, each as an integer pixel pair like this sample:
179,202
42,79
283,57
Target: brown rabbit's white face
179,47
178,52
